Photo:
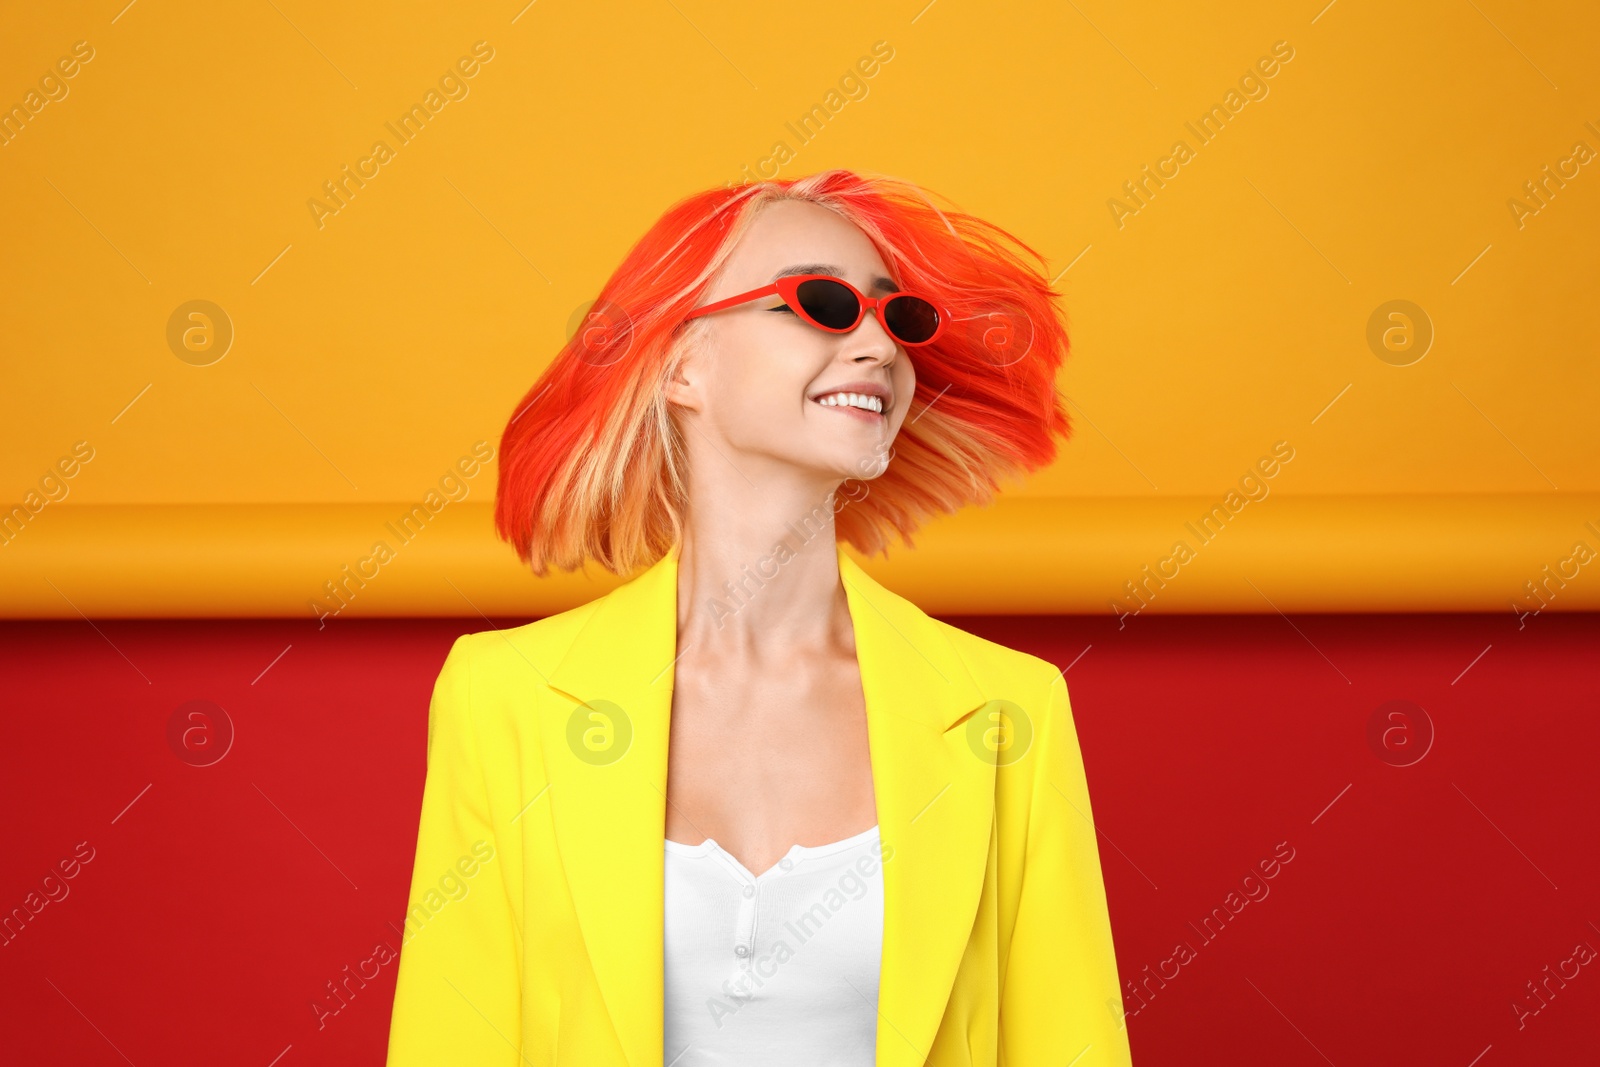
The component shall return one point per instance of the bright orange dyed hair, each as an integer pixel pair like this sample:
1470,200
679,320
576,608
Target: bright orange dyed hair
592,463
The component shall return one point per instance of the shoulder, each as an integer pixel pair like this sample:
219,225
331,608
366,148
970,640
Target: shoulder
996,666
496,660
489,685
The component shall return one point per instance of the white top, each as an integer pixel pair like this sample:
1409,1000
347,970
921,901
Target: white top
778,969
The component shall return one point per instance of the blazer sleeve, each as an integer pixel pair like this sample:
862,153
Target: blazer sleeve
1060,999
458,985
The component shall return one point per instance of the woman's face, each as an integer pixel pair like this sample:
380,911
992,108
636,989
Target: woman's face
752,387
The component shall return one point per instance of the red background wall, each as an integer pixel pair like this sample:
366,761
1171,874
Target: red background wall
1420,899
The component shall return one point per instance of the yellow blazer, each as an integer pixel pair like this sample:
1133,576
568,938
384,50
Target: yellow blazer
535,928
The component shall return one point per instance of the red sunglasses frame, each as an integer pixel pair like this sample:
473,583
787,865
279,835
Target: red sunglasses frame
786,287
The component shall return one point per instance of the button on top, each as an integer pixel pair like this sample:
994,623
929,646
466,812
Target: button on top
711,899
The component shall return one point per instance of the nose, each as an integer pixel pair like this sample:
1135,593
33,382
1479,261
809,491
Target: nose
870,341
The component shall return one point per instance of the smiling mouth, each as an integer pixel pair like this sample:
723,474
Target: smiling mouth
859,405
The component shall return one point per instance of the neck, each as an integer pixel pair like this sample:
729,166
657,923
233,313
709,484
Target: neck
759,569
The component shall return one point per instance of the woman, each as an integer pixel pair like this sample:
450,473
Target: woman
751,807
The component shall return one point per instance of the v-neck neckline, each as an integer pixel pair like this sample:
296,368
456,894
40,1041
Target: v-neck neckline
785,863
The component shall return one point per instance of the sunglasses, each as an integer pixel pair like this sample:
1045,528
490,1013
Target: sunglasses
834,305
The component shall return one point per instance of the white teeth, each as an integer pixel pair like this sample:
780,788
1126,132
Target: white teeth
854,400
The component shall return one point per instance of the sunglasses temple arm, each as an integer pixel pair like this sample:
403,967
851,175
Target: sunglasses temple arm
732,300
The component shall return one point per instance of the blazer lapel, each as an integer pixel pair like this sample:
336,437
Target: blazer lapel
605,754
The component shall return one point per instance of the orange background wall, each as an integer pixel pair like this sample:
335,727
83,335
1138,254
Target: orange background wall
1229,309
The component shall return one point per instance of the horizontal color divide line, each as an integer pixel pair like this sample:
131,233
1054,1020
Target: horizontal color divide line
1022,555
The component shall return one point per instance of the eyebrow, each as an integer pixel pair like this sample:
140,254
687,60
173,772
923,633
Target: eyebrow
879,283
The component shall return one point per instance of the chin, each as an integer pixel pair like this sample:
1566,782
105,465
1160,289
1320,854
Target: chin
869,465
831,457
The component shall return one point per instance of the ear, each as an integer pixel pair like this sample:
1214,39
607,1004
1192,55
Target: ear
683,387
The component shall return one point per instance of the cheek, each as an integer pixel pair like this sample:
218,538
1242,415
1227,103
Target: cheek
905,385
755,396
764,371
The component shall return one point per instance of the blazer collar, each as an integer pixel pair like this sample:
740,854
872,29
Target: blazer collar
934,794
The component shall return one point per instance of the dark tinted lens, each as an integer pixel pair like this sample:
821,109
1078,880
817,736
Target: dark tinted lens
828,302
910,318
